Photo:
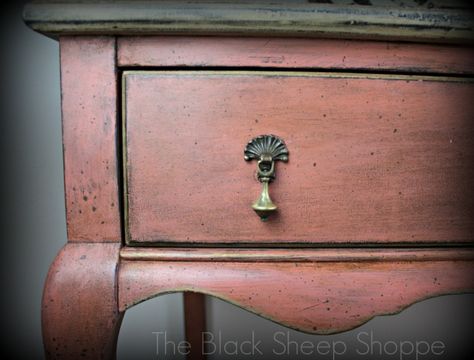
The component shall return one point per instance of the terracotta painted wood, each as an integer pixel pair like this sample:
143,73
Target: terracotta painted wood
328,54
313,297
89,113
319,255
385,160
80,315
195,324
373,159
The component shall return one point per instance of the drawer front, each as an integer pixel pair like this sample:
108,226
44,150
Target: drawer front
372,159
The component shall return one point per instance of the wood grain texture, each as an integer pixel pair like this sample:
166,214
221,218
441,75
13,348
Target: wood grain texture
80,316
281,18
89,112
294,53
379,159
312,297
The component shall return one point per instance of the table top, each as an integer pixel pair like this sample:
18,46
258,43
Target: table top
439,21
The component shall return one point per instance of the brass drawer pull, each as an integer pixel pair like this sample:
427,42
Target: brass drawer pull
266,149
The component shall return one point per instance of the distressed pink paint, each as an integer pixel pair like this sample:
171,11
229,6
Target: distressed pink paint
80,315
426,165
379,160
314,297
89,112
294,53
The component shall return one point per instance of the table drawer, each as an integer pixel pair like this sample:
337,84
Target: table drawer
372,158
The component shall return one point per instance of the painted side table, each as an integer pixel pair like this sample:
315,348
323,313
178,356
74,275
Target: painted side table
311,163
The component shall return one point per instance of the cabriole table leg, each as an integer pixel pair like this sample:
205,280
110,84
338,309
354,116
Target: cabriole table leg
80,316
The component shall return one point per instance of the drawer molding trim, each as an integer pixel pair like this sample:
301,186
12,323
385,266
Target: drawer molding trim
296,255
